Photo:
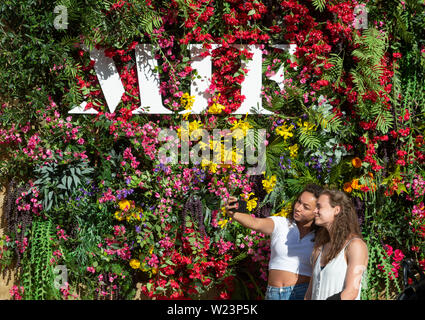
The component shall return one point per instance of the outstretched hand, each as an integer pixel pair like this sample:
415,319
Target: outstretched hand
230,205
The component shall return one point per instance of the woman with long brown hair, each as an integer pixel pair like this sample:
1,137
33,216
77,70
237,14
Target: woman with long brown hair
339,255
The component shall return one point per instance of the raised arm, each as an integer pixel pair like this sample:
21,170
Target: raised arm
357,258
263,225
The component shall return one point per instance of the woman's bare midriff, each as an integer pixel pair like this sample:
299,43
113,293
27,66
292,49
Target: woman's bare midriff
281,278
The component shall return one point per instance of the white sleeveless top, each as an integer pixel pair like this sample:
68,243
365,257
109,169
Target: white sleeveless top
331,279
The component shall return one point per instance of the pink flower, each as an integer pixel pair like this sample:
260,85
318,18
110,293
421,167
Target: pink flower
16,292
91,269
398,255
388,249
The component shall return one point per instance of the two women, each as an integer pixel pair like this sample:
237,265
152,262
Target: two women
330,268
291,244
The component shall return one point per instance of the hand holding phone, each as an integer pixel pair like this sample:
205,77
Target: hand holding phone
242,206
235,205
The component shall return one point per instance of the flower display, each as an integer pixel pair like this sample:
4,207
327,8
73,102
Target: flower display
118,194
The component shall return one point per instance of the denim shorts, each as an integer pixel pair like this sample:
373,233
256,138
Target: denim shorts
296,292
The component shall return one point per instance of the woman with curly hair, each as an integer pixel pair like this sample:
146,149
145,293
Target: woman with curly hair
340,255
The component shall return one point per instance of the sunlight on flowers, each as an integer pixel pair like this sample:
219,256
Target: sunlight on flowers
269,183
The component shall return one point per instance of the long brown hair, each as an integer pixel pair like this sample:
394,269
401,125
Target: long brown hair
344,226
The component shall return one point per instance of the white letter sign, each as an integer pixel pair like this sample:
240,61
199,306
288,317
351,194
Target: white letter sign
149,81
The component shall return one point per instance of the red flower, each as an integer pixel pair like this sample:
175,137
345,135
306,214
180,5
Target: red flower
397,55
404,132
275,29
398,255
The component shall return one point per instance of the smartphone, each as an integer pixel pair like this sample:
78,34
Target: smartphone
242,206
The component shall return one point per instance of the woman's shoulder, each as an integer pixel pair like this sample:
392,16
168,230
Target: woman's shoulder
278,218
280,221
356,243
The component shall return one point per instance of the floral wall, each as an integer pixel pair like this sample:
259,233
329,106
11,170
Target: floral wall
92,213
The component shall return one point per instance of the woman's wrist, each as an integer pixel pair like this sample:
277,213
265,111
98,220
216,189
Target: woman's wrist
232,215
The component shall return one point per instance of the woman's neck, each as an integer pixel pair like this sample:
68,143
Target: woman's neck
304,228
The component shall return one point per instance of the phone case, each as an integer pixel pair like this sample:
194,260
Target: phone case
242,206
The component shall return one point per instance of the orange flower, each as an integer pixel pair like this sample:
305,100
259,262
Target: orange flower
347,187
355,184
356,162
370,174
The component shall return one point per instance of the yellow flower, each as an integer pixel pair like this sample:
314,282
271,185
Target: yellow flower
307,126
222,223
187,100
285,209
124,205
154,270
284,131
251,204
118,215
355,184
205,162
213,167
269,183
186,115
246,196
282,213
134,263
139,214
223,211
242,125
183,131
231,156
194,125
324,123
216,108
293,151
215,145
237,156
136,216
151,250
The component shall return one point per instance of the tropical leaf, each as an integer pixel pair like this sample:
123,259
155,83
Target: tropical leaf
319,4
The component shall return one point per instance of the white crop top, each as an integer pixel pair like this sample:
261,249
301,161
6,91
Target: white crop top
288,251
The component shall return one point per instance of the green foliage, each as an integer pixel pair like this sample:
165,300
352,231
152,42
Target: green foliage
319,4
38,276
335,73
57,182
372,45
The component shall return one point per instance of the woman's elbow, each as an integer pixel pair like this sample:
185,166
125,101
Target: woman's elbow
349,294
